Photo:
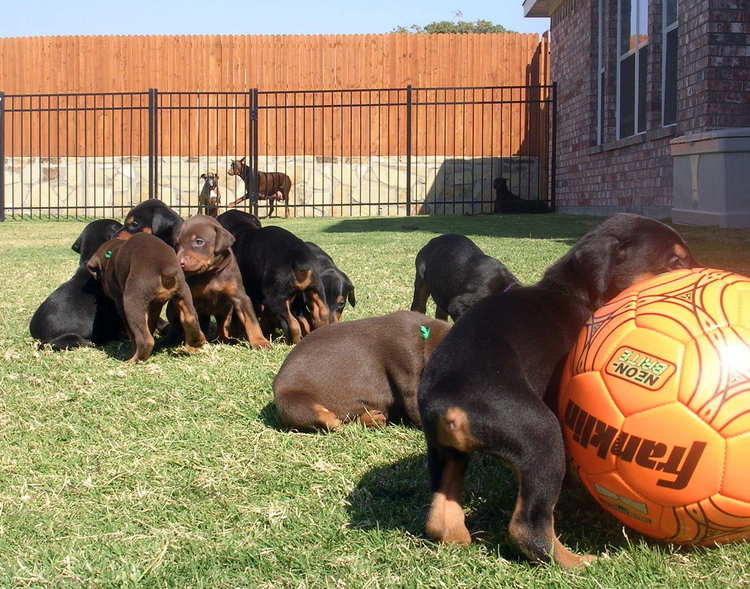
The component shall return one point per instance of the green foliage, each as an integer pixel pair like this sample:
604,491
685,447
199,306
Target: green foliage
456,27
176,473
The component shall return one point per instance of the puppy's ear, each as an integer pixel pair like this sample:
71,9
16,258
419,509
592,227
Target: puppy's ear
224,241
242,161
76,247
203,176
94,265
595,261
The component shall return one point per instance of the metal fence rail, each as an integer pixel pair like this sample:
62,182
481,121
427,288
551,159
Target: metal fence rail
368,152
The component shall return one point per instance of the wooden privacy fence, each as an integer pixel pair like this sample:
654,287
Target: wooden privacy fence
358,152
217,63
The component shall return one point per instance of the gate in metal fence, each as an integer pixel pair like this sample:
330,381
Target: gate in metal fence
371,152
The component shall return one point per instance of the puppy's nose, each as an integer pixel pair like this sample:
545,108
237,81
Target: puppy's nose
183,261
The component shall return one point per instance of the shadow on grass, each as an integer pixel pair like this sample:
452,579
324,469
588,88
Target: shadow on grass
563,228
397,496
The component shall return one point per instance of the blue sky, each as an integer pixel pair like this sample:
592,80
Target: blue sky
132,17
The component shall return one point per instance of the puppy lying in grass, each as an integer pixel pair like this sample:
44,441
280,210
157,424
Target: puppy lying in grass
366,370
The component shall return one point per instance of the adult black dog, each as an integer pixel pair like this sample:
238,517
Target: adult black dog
78,313
507,202
277,267
457,274
484,386
155,217
338,288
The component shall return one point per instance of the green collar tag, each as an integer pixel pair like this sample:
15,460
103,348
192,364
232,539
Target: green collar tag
107,255
425,331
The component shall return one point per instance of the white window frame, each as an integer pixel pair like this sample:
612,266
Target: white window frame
599,72
636,67
665,29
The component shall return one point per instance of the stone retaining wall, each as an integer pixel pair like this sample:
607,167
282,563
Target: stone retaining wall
321,186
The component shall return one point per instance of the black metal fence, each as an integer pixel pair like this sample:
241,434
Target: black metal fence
370,152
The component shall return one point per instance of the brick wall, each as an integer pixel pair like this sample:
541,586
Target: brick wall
635,174
714,75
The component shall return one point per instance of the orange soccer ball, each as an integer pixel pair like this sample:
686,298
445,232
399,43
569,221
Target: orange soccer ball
655,406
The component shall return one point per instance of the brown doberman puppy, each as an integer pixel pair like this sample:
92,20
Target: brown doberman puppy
484,388
140,274
205,254
366,370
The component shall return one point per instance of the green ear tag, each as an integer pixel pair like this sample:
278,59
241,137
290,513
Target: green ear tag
425,331
107,255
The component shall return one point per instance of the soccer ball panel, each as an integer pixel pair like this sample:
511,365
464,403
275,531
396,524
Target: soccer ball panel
670,455
589,433
640,372
736,482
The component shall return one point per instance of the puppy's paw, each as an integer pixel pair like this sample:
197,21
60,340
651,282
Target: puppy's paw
260,344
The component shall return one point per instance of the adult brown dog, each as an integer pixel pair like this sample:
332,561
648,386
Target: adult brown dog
205,255
140,275
484,387
272,186
366,370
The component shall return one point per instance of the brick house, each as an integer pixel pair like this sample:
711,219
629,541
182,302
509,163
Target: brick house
653,107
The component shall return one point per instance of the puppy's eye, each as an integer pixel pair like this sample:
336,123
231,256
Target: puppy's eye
199,241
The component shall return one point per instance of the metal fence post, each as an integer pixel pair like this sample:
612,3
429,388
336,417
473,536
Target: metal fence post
152,141
254,148
408,149
2,156
553,149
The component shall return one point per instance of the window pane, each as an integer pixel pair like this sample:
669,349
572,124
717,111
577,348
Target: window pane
671,11
628,25
642,71
670,78
627,96
642,22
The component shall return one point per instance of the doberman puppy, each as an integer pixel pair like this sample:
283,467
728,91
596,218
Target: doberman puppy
277,267
152,216
78,313
209,198
319,386
338,288
205,255
484,387
234,220
457,274
271,185
141,274
507,202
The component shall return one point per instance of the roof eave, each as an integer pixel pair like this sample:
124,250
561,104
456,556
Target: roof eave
543,8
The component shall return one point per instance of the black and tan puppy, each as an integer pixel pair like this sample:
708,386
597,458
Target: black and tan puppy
78,313
457,274
277,267
234,220
140,275
155,217
366,370
205,255
484,387
338,288
507,202
209,198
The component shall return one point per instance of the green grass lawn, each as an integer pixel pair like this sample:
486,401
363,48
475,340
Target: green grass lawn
176,472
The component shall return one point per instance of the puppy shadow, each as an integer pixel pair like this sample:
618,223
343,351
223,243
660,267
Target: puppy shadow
397,496
270,417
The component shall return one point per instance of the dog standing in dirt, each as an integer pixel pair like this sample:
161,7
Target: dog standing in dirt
141,274
209,198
